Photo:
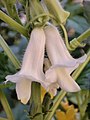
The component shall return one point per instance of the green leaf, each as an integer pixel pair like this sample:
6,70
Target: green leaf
47,102
23,2
88,110
74,9
84,79
78,23
6,68
33,112
86,5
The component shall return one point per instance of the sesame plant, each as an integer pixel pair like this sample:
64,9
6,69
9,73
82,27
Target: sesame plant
44,60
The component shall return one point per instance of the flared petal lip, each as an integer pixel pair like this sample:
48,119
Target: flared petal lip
82,59
58,66
17,77
61,65
68,65
23,93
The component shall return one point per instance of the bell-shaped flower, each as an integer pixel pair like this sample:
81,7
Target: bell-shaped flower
32,66
63,64
56,10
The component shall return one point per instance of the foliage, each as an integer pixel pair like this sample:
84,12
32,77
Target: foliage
5,67
84,78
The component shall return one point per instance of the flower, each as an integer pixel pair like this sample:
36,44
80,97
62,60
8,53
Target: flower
32,66
63,64
55,8
69,112
58,73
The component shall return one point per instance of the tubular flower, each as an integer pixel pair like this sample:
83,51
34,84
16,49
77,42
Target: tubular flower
32,66
63,64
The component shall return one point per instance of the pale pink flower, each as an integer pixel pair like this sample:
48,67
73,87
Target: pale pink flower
32,66
63,64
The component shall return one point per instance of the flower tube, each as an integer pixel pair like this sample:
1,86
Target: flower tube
55,8
32,66
63,64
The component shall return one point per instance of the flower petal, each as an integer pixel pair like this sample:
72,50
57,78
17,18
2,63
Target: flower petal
23,89
80,60
51,75
18,77
33,58
13,78
56,49
66,82
52,88
32,66
62,77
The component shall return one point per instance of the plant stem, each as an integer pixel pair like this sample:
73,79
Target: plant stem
3,118
79,105
61,95
17,65
27,9
13,24
9,53
6,106
16,15
66,37
78,41
36,98
12,11
82,103
81,67
85,35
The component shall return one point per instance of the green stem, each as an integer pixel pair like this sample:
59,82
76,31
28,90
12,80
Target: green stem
85,35
63,93
3,118
6,106
81,67
38,16
66,37
11,9
78,41
16,15
27,9
36,8
17,65
82,103
8,51
79,105
36,99
13,24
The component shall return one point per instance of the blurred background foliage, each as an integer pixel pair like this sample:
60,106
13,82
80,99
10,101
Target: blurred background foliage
77,104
